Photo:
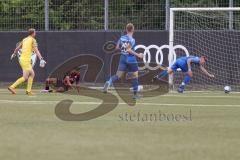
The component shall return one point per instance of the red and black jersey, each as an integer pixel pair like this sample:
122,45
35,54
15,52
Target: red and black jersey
74,77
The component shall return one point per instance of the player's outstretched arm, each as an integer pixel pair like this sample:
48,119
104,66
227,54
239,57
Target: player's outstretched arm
189,61
139,55
206,72
67,81
130,51
117,48
16,50
39,55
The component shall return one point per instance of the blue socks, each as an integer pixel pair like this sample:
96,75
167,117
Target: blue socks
162,74
135,85
112,79
186,80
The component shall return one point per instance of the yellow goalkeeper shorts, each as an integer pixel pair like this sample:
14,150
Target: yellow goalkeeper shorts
26,65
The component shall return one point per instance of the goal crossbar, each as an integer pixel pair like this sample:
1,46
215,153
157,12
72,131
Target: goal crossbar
207,9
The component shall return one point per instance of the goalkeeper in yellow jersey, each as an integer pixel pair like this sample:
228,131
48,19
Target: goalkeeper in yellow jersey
28,45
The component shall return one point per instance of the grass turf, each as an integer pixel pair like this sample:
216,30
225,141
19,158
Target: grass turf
31,130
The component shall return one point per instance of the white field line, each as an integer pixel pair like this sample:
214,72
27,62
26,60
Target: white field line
113,90
201,96
97,103
183,95
166,95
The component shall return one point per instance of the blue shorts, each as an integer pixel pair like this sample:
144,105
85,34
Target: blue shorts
127,64
180,64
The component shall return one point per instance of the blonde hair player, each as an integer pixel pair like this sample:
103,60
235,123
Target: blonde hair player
128,61
28,45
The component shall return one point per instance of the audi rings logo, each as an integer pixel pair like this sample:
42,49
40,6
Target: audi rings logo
159,55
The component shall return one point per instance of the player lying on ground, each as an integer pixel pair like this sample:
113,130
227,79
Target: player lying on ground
184,63
28,45
128,61
64,84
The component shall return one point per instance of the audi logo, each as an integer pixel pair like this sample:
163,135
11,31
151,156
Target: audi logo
158,55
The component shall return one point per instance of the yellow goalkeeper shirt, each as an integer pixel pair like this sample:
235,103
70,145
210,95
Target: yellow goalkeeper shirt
28,44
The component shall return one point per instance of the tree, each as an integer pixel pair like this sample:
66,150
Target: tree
89,14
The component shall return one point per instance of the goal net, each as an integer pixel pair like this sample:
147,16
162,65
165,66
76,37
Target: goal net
214,32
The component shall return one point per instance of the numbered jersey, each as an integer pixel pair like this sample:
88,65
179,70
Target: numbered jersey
126,42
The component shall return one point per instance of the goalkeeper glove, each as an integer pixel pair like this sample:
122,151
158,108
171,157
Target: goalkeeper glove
42,63
12,56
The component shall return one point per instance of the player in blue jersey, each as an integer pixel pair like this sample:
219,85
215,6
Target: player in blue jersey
184,63
128,60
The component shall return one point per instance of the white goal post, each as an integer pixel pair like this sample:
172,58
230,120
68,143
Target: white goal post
206,22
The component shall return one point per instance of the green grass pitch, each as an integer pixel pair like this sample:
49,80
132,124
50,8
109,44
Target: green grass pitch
208,128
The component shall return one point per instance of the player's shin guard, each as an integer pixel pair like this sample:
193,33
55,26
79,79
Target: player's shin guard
109,83
135,85
186,80
19,81
29,85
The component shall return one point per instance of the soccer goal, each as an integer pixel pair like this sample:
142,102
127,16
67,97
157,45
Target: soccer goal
213,32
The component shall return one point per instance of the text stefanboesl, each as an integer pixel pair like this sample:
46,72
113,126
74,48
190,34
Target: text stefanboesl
155,117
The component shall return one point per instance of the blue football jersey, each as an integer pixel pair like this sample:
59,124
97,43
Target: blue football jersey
124,42
195,59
